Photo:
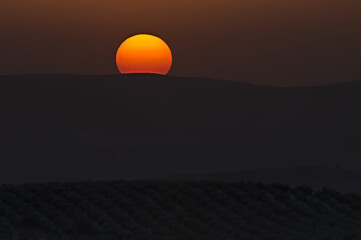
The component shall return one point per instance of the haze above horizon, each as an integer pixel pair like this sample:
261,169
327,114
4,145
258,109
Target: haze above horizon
261,42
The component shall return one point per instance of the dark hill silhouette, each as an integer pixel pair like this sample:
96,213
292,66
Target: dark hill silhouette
62,127
176,210
315,176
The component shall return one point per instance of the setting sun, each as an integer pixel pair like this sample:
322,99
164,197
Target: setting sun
144,53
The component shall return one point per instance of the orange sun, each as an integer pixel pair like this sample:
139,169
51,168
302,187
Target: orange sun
144,53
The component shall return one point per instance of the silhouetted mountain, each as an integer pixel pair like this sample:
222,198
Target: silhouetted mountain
60,127
176,210
316,176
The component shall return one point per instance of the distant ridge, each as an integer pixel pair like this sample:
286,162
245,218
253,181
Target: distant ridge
159,76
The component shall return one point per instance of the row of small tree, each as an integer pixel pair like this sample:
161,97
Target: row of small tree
176,210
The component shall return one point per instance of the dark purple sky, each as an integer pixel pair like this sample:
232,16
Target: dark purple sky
278,42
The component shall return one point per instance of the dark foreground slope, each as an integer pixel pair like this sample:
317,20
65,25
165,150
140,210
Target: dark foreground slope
69,128
176,210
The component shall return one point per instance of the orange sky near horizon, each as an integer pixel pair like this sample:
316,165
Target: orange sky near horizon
278,42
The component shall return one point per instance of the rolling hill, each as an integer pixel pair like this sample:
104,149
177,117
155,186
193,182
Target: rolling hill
70,128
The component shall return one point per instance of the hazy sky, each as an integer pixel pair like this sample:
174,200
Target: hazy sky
279,42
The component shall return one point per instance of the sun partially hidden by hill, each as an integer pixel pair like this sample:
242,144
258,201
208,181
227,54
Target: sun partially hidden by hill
176,210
